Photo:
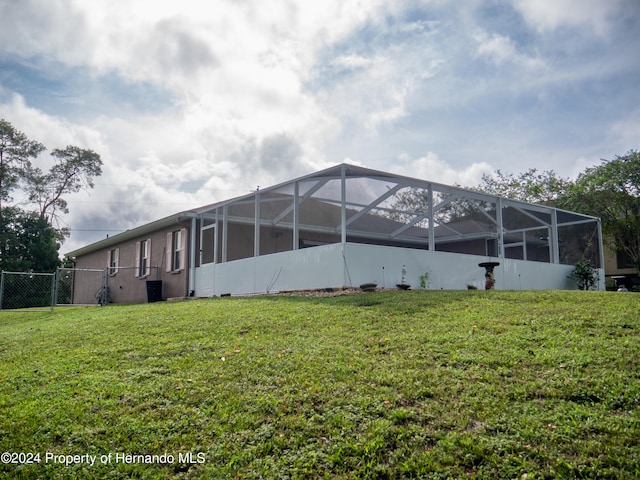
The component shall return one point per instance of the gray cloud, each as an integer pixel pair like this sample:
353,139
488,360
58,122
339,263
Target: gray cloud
174,46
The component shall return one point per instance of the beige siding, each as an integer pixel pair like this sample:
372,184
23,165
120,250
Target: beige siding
125,286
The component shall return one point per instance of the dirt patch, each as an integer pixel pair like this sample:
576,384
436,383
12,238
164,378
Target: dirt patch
326,292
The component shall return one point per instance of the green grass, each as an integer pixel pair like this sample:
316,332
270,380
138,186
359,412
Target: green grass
384,385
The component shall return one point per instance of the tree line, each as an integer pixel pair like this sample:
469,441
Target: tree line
610,191
30,230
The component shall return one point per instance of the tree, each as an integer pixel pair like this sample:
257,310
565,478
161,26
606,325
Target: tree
611,191
74,169
544,187
16,150
29,243
28,239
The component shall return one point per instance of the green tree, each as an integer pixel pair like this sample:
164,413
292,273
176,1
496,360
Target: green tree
29,243
611,191
544,187
74,169
532,186
28,239
16,152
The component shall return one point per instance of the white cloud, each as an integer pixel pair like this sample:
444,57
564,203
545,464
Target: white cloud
431,167
625,132
373,89
352,61
546,15
500,49
53,132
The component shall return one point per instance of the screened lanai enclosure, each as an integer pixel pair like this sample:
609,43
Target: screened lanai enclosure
348,225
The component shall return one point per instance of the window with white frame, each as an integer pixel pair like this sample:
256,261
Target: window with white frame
112,261
175,250
143,258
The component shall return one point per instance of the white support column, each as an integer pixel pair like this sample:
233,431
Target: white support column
215,238
256,226
555,244
500,228
343,205
343,222
601,250
296,215
225,231
432,227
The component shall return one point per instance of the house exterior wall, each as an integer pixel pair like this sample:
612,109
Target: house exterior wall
124,285
620,274
611,265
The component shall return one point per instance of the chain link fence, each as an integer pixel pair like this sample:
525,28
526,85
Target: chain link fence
82,286
69,286
27,291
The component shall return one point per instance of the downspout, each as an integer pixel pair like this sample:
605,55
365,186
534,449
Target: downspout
192,256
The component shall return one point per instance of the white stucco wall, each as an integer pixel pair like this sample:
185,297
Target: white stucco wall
308,268
326,266
451,271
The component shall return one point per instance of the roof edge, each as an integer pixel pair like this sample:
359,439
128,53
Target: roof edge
130,234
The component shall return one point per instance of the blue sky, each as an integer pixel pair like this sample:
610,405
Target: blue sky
192,102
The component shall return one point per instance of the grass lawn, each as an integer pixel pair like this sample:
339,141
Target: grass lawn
416,384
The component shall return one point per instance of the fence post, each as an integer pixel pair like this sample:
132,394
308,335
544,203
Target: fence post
104,298
1,287
54,280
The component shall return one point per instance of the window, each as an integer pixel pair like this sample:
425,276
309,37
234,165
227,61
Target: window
143,258
175,250
623,260
113,261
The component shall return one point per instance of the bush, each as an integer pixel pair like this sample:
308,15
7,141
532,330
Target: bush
585,275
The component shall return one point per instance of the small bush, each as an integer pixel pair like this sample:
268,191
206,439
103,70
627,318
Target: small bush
585,275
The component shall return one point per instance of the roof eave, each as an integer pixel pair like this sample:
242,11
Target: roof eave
131,234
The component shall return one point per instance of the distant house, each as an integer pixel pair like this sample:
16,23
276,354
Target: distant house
619,267
342,227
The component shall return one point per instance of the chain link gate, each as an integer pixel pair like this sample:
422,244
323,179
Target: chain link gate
65,287
82,286
27,291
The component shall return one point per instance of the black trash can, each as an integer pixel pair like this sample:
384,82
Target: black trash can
154,291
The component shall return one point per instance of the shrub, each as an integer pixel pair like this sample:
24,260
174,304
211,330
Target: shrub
585,275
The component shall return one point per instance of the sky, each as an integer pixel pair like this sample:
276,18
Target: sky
193,102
